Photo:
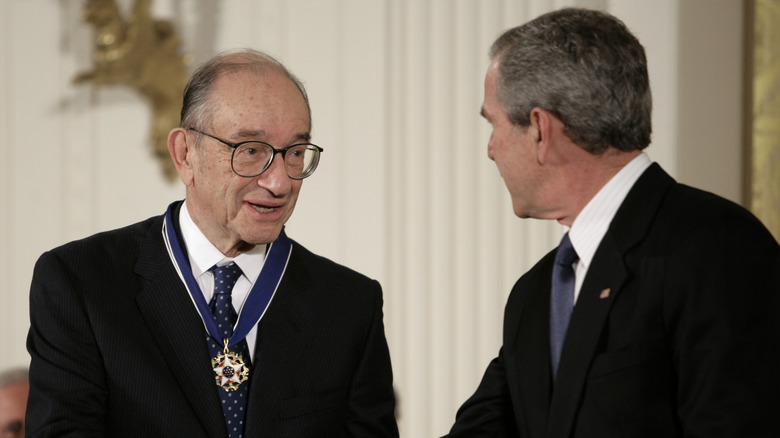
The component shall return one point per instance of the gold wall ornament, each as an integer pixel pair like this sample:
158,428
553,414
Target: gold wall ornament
764,151
142,53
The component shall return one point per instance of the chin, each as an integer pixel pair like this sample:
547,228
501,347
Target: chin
263,237
519,212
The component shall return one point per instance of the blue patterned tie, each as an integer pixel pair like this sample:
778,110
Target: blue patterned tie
233,402
561,298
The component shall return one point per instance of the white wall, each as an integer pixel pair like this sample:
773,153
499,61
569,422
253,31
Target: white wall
405,192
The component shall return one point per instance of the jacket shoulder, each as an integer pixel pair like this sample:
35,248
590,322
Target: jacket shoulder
107,246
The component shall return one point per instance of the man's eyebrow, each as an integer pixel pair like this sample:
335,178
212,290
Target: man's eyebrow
483,113
248,134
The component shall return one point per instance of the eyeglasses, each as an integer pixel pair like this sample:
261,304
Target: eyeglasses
251,158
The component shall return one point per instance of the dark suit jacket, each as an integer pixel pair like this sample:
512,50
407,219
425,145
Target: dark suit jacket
687,342
119,350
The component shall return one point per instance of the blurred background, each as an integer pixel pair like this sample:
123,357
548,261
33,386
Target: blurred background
404,193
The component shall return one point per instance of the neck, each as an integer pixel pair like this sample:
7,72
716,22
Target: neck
588,176
235,250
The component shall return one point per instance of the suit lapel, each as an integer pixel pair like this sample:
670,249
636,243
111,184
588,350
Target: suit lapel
278,345
179,332
601,287
598,292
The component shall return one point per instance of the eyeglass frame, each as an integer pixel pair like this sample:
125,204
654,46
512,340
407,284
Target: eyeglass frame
282,151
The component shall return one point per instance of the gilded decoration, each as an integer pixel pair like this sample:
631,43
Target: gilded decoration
144,54
765,136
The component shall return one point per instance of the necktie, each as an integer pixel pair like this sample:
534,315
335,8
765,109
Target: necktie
233,402
561,298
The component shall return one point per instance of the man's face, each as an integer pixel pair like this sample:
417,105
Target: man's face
234,212
513,149
13,404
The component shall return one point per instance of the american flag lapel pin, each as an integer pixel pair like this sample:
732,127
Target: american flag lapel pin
605,294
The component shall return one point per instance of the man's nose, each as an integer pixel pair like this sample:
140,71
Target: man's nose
490,148
275,178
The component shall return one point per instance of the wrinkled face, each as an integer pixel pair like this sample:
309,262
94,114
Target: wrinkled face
236,213
513,149
13,404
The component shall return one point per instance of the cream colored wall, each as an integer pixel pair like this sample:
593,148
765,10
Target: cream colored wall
405,192
710,62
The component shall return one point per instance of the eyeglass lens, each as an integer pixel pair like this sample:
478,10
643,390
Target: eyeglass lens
252,158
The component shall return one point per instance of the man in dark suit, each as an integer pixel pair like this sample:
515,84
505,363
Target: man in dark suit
124,339
672,293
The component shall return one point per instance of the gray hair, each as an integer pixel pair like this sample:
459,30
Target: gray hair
587,69
13,376
197,107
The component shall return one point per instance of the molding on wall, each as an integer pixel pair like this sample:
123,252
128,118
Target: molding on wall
763,144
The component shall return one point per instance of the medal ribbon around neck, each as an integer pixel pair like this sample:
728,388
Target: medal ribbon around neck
259,297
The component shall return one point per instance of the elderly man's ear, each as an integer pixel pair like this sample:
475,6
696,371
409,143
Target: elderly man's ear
181,147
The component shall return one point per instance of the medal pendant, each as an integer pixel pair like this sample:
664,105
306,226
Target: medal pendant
230,369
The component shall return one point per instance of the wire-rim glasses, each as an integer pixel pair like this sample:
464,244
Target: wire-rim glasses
253,157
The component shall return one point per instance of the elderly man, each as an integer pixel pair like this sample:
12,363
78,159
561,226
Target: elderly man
208,321
657,316
14,387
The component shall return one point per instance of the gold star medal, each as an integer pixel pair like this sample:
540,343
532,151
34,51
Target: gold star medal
230,369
